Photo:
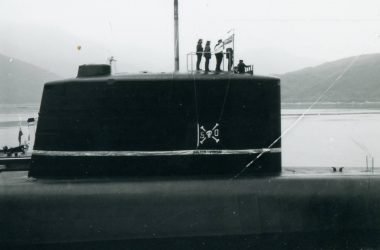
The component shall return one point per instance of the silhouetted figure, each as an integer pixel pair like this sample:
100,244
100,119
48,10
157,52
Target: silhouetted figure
19,136
218,54
230,57
199,53
241,67
207,55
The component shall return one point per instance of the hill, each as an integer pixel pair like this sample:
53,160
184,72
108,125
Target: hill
55,49
360,83
21,82
271,60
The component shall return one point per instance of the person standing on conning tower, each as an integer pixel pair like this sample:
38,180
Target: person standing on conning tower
218,54
230,57
207,55
199,53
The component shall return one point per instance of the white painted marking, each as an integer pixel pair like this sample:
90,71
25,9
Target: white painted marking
156,153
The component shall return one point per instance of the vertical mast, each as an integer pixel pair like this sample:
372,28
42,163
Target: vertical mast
176,39
233,50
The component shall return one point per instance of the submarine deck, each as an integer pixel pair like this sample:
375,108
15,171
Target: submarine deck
300,200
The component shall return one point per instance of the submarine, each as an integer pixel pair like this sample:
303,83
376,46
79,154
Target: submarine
176,161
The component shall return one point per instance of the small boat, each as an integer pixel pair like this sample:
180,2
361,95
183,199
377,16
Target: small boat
14,159
17,157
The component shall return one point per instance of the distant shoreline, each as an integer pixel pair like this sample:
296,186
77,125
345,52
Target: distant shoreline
19,109
331,105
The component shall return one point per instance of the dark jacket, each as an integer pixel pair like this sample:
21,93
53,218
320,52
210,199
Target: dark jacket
241,67
199,49
207,52
230,52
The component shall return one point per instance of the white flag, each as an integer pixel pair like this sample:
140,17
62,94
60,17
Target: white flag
229,39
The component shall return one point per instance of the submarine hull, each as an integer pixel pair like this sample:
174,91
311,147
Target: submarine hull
322,208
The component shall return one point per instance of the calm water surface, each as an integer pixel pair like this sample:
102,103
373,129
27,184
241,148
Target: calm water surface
333,137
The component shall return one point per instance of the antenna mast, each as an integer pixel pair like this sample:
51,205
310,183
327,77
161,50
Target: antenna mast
176,39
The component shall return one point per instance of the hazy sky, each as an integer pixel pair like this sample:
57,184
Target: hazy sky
139,34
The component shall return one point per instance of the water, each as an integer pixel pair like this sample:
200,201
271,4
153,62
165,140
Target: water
331,137
324,137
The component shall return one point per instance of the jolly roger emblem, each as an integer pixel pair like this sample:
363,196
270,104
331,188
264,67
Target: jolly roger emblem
205,134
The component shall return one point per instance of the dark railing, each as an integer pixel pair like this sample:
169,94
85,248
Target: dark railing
191,61
190,58
249,69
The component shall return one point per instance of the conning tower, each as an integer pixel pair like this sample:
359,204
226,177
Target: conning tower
199,124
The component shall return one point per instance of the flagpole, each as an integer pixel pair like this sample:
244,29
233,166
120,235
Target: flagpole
233,49
176,39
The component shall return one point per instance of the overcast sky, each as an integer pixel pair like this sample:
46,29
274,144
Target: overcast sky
139,34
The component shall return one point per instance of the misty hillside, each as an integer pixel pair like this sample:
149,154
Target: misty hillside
55,50
360,83
274,61
21,82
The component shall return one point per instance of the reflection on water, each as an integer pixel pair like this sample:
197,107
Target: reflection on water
324,137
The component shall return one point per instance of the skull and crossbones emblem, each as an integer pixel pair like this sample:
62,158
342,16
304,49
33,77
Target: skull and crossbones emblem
205,134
